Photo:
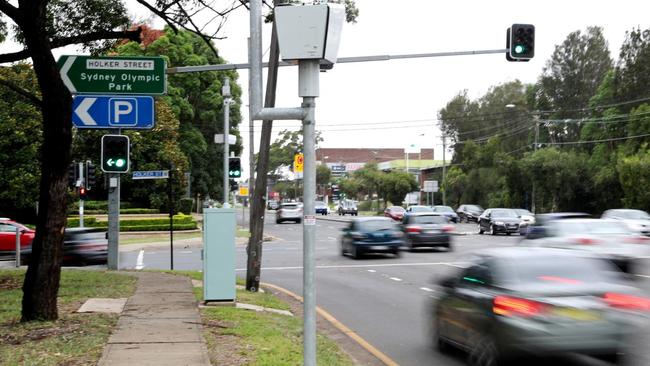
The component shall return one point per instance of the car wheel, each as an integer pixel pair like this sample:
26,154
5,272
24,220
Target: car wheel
492,232
485,353
278,221
354,253
450,248
438,341
409,245
480,229
343,252
298,221
397,253
508,234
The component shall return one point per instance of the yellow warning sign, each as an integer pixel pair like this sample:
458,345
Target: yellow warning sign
243,190
298,161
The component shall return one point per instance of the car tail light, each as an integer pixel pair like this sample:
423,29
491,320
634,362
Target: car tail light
447,228
586,241
638,240
513,306
628,302
413,229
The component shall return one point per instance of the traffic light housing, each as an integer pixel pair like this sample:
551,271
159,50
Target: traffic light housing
83,193
72,174
234,168
520,40
115,153
90,175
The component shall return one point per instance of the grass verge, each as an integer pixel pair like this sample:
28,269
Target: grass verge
73,339
243,337
159,238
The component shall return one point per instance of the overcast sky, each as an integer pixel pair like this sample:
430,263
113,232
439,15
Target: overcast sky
392,103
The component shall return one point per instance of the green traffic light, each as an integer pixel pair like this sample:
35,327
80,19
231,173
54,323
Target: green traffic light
520,49
120,163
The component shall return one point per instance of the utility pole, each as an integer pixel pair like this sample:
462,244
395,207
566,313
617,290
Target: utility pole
226,140
536,120
444,169
251,154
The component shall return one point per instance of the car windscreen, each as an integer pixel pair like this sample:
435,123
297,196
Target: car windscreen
554,270
443,209
504,213
427,219
473,208
376,225
397,209
421,209
319,204
634,215
595,227
523,212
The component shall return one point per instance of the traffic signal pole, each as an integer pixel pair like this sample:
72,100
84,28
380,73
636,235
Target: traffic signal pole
226,142
81,201
113,220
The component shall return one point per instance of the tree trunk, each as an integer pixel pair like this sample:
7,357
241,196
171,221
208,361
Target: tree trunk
258,205
41,285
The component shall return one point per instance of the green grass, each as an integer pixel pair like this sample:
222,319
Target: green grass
242,233
258,339
155,238
73,339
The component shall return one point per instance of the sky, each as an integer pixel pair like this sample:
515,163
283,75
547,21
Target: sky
393,104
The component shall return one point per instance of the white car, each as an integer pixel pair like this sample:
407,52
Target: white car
636,220
289,212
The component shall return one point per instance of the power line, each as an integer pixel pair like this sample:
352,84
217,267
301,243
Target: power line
596,141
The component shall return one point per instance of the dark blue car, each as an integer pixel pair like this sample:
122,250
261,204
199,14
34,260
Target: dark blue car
320,208
371,235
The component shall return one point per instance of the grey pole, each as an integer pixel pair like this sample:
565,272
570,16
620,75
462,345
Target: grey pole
226,142
532,198
444,169
251,152
17,247
113,220
81,202
309,90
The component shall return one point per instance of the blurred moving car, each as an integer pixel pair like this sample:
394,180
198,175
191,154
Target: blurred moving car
527,219
348,207
371,235
290,211
273,205
427,230
8,237
447,211
610,238
538,229
637,220
513,302
321,208
395,212
418,208
469,213
499,220
84,246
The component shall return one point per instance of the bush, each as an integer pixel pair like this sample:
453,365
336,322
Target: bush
131,211
185,205
181,222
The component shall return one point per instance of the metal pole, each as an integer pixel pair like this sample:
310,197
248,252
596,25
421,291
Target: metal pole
17,247
81,202
532,205
226,142
444,170
171,217
309,89
113,220
251,151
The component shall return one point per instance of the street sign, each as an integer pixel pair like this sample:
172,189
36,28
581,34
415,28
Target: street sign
113,111
298,161
430,186
218,139
243,190
113,75
150,174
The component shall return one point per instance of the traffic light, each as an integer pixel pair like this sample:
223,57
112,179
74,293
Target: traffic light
90,175
233,185
115,153
72,174
520,40
83,193
234,168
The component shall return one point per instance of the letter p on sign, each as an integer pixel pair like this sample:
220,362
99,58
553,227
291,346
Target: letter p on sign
123,112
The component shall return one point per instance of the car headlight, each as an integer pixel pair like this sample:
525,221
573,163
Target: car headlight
499,223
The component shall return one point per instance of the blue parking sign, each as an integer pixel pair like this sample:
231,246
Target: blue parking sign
110,111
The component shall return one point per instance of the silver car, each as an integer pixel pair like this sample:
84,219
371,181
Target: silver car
609,238
637,220
289,212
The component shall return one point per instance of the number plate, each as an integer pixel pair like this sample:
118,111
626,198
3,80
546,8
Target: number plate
577,314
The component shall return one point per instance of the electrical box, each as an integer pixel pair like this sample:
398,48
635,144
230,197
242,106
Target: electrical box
219,279
309,32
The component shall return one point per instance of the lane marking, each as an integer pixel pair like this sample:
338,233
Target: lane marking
185,252
340,326
139,263
427,289
363,266
395,279
331,238
372,271
644,276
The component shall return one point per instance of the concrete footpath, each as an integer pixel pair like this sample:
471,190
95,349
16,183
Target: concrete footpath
160,325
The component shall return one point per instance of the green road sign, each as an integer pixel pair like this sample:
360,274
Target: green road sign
113,75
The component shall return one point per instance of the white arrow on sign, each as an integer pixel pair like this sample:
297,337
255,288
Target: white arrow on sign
64,73
82,111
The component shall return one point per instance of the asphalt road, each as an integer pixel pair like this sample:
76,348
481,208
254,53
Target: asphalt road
385,300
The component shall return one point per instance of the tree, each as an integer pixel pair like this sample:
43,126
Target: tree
285,147
634,175
395,185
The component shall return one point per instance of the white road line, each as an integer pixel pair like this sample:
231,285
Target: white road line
360,266
395,279
185,252
140,261
644,276
372,271
426,289
331,238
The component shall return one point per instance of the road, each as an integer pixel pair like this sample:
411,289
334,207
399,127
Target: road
385,300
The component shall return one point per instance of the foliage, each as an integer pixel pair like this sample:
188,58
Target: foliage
634,175
395,185
285,147
323,174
